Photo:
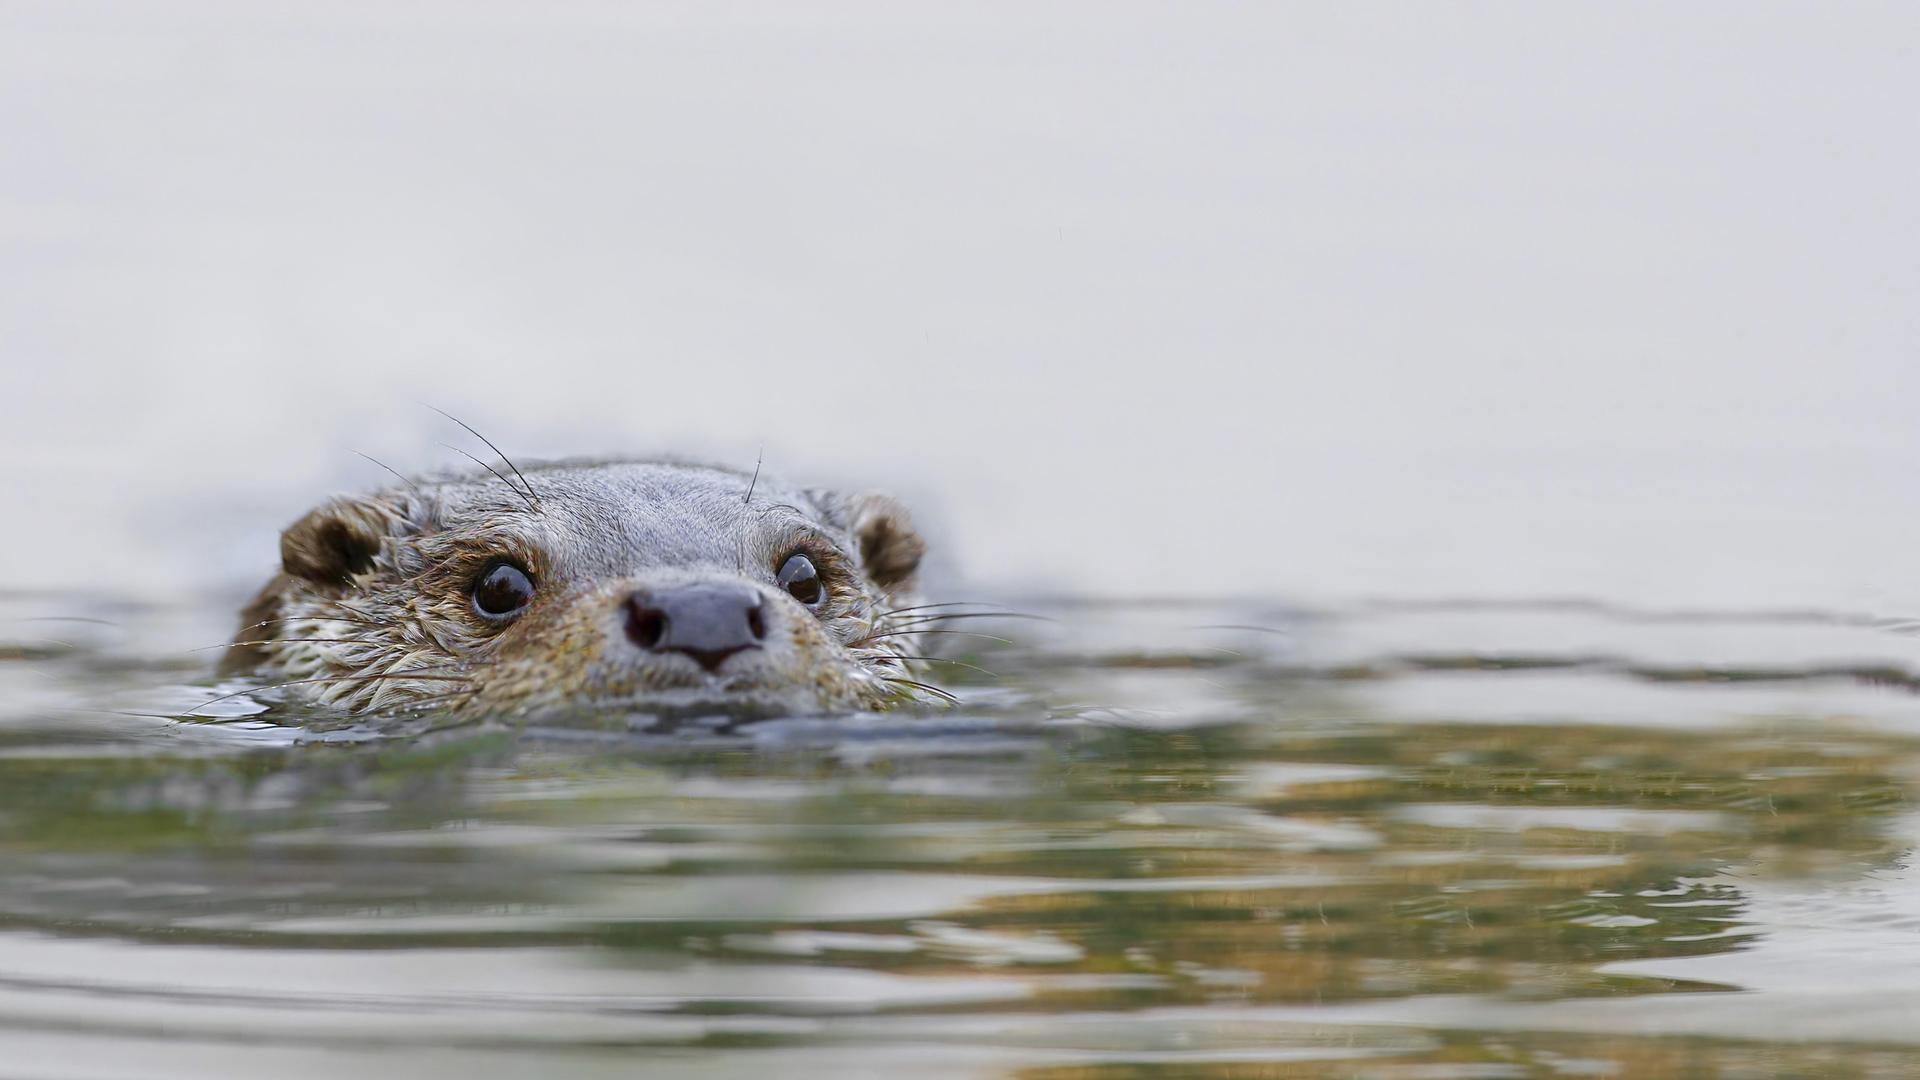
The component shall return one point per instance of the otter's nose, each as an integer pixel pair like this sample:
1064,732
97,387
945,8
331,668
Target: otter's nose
708,622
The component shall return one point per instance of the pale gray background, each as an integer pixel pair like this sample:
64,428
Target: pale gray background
1311,300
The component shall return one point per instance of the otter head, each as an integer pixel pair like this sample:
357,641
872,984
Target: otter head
615,585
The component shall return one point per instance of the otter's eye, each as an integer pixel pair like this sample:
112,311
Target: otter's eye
502,591
802,581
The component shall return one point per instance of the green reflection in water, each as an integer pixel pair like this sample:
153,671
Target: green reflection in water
1310,855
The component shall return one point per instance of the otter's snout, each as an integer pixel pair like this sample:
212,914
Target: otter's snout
707,621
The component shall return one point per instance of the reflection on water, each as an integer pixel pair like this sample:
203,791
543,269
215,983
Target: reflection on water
1162,841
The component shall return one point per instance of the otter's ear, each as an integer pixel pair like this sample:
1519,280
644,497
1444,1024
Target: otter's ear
336,541
890,549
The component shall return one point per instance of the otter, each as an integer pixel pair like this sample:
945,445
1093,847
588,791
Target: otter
640,585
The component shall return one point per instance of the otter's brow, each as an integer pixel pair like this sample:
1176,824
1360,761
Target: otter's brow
456,555
805,536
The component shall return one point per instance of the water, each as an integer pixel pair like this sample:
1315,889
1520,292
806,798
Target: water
1438,840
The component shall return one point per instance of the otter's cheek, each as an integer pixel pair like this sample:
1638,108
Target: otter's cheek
549,656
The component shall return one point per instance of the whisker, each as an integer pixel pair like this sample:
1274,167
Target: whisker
297,640
946,604
531,496
942,660
306,618
343,605
740,540
357,620
364,622
394,471
934,690
528,499
329,602
976,615
455,665
898,633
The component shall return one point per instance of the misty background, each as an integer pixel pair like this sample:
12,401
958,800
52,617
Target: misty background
1298,300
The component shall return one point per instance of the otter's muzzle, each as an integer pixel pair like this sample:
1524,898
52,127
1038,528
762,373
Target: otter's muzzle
707,621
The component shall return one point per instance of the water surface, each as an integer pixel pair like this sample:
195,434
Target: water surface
1218,841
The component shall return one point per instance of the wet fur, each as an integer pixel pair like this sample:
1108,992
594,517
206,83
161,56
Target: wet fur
372,607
